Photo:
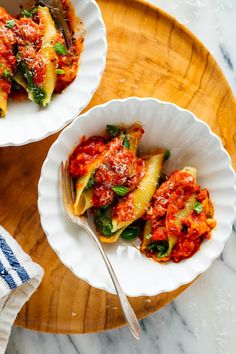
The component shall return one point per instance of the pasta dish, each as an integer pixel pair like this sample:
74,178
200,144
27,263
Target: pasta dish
33,56
130,196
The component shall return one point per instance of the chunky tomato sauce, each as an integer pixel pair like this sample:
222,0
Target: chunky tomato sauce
119,167
124,210
84,154
21,39
165,213
7,57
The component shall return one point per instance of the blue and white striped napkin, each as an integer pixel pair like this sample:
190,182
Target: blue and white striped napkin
19,278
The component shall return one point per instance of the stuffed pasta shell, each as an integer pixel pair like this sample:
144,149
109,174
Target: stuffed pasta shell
179,217
131,207
106,168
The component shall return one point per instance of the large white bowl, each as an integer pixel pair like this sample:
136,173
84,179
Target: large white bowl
26,122
191,142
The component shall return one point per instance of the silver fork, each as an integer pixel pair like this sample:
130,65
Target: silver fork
68,198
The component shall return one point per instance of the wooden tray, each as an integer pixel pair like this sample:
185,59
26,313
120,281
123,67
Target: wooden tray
150,54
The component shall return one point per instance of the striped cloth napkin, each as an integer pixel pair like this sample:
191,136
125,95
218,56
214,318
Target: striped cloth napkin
19,277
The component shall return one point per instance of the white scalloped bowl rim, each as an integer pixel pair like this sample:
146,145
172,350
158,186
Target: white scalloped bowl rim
26,123
138,275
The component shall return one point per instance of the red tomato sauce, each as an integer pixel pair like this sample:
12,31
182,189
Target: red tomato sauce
26,36
119,167
7,57
170,199
84,154
69,63
124,210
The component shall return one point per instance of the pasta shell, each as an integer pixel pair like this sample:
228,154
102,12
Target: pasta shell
3,103
140,198
48,52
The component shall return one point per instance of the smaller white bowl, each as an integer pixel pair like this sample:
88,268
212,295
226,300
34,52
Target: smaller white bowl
26,122
191,143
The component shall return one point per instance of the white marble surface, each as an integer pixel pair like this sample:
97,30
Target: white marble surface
203,319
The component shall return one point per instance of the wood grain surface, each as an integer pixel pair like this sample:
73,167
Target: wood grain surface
150,54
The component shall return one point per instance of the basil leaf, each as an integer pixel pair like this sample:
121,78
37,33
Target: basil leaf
126,142
10,23
148,236
102,220
166,155
161,247
60,49
130,232
28,13
60,71
198,207
120,190
112,130
152,246
162,250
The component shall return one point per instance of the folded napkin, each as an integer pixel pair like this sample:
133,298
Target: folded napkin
19,277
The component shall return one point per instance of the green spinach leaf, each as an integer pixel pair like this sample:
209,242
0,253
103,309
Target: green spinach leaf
112,130
159,247
130,232
103,222
120,190
198,207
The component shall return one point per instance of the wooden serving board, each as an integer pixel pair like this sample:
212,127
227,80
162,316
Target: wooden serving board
150,54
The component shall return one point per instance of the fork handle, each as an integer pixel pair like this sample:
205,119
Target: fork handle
128,312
